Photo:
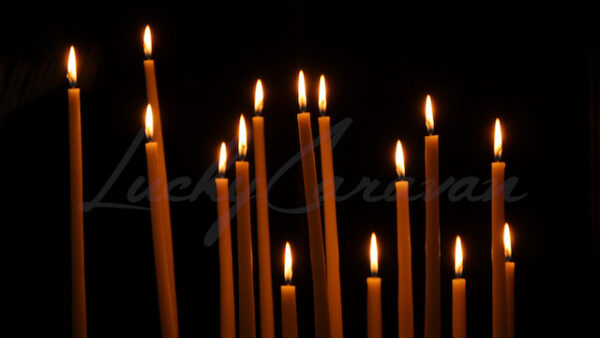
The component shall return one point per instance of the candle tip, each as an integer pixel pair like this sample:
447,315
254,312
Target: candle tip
149,125
507,243
374,255
147,42
429,114
458,258
322,96
498,140
222,159
72,68
400,170
301,92
242,138
287,263
258,97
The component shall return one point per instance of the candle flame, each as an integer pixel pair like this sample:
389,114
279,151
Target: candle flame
287,271
497,140
429,114
400,160
322,95
258,97
222,159
507,243
242,138
301,92
374,255
72,68
149,122
147,42
458,258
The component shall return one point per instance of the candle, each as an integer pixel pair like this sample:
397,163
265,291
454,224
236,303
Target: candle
432,230
374,329
331,236
405,295
509,268
498,279
315,229
227,297
289,322
158,189
79,313
244,238
265,287
459,302
152,93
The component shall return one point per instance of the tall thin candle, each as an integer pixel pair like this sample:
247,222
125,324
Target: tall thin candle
78,299
315,229
498,274
265,286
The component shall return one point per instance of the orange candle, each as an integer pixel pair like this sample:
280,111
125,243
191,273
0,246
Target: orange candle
509,268
374,329
227,297
152,93
289,321
79,312
499,322
158,188
405,294
315,229
244,239
331,236
459,295
433,320
265,287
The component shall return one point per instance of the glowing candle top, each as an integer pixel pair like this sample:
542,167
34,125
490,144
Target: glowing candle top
429,114
287,271
374,255
72,68
147,42
507,243
258,98
242,138
497,140
149,127
400,160
322,96
458,258
301,92
222,159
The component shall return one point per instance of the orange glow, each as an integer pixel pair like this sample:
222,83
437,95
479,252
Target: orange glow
322,95
498,140
287,270
147,42
507,243
72,68
222,159
149,122
242,138
258,97
374,255
429,114
301,92
458,258
400,160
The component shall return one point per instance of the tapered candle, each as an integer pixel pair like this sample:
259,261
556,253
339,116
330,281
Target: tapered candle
244,238
509,268
405,293
152,93
499,314
265,286
331,234
158,188
374,329
315,229
459,295
433,320
227,298
78,300
289,321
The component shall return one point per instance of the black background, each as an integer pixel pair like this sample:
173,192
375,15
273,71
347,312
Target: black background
533,65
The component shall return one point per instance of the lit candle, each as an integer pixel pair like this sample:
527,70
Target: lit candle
374,329
227,297
498,279
331,235
315,229
289,322
433,320
459,295
405,294
244,238
509,268
152,94
79,316
158,189
265,287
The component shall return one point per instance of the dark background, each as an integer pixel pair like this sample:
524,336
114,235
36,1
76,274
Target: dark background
533,65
